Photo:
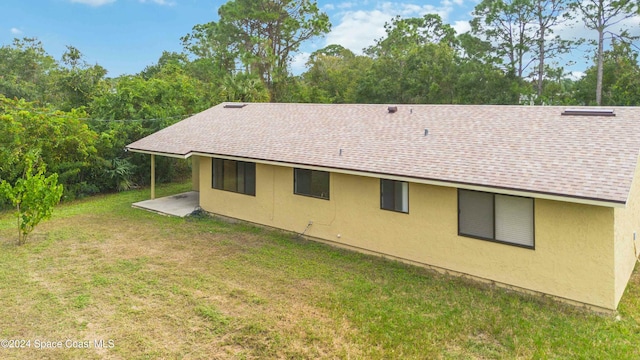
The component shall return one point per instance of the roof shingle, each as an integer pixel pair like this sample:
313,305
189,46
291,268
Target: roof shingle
524,148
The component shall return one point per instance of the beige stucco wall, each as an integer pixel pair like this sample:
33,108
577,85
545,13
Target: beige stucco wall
573,258
627,222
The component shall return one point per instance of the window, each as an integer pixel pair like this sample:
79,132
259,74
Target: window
236,176
394,195
311,183
502,218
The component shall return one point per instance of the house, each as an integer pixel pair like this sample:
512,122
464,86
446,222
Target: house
541,199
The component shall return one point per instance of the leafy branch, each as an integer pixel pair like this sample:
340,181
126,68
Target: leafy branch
33,196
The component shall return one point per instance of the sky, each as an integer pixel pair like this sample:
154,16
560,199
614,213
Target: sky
125,36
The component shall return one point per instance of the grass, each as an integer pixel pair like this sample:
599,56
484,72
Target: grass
199,288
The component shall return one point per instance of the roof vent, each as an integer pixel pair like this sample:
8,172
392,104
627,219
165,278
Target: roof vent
234,106
392,109
588,112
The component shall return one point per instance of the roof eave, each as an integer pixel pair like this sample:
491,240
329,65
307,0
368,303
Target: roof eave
160,153
435,182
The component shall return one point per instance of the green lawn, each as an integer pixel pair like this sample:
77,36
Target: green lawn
199,288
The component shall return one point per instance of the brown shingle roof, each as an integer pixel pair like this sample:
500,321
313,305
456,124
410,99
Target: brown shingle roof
524,148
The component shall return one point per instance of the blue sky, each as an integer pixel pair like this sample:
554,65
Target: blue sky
124,36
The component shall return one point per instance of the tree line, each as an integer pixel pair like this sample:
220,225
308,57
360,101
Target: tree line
69,116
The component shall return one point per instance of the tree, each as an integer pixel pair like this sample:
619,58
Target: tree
559,88
334,73
414,63
243,88
63,140
625,90
77,82
548,15
601,16
620,81
28,72
135,107
261,35
480,80
24,69
33,196
507,23
209,42
168,93
405,33
167,58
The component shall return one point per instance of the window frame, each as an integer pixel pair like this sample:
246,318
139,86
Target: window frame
236,177
403,197
494,239
311,172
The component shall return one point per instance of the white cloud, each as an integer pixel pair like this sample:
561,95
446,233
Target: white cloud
346,5
93,2
298,63
577,29
461,26
576,75
412,10
581,58
16,31
358,29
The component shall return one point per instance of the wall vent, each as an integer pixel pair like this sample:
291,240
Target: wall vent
588,112
234,106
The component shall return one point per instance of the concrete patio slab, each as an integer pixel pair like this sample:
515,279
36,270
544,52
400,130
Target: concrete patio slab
176,205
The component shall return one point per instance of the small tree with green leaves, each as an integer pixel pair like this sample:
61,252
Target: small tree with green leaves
33,196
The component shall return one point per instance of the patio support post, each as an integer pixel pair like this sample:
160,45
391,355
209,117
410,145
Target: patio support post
153,177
